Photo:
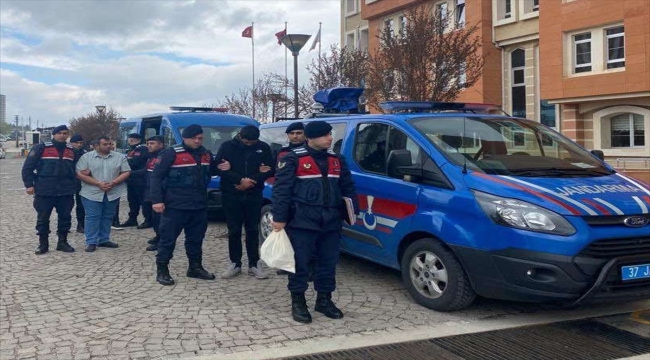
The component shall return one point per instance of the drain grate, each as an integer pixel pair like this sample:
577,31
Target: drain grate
570,340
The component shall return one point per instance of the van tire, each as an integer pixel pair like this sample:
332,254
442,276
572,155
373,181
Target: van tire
455,293
264,222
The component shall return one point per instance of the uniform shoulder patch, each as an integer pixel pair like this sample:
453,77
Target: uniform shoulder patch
300,151
47,143
179,148
281,164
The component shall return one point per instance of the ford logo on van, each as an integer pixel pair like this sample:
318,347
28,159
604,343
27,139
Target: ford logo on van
636,221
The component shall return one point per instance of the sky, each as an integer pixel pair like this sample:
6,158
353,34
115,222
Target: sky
61,58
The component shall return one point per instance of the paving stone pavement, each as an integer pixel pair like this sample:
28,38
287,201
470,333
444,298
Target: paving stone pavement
107,304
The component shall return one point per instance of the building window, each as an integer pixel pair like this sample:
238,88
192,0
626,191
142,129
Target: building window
460,13
508,12
462,75
389,24
547,113
403,24
349,40
518,82
442,11
615,47
535,5
351,7
582,58
363,40
627,130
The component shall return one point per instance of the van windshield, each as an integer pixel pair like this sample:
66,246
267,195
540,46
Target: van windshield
214,136
506,146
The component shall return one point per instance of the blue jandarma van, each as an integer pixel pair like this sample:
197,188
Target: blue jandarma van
218,126
464,202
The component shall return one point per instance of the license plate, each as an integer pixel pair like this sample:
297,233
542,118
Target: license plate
634,272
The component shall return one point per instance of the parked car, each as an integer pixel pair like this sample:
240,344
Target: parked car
464,201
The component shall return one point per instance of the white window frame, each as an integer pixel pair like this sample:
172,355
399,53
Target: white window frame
439,10
403,24
602,131
460,14
355,10
527,9
606,46
498,12
599,51
630,122
358,39
354,39
389,22
575,44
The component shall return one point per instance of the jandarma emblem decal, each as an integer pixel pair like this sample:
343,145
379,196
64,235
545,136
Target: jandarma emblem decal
636,221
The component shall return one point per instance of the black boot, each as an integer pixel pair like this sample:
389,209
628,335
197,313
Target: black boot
43,245
325,306
299,309
163,276
144,225
153,240
63,245
130,222
196,270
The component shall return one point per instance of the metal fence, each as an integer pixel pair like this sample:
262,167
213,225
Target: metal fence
632,163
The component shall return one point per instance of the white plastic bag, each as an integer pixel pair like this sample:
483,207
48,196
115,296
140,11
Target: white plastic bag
277,251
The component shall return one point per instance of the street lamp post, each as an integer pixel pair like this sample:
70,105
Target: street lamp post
275,98
295,42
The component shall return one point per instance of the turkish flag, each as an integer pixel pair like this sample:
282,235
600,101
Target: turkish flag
248,32
280,35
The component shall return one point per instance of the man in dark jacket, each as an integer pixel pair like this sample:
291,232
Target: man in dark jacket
49,174
179,184
250,164
77,142
137,157
308,192
155,145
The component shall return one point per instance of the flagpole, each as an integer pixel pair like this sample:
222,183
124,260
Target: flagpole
253,57
320,34
286,76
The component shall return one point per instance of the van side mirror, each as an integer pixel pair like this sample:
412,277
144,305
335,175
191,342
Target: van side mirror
399,164
599,154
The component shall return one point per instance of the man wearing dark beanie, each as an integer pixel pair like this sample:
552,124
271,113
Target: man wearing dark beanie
308,192
49,174
249,162
178,191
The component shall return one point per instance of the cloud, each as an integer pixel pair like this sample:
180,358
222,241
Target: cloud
61,58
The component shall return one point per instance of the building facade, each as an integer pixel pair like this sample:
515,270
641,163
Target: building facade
3,108
354,29
579,66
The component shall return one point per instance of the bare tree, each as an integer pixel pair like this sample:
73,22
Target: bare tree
94,125
431,59
270,101
338,67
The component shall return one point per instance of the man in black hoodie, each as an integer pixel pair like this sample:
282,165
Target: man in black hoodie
250,162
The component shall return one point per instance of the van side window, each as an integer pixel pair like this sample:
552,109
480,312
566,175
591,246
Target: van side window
397,140
168,138
370,147
338,133
275,137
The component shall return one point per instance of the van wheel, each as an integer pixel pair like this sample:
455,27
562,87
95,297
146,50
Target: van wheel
265,222
435,278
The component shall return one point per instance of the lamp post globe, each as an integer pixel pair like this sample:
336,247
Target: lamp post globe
295,42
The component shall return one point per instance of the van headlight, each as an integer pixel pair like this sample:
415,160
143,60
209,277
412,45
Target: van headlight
522,215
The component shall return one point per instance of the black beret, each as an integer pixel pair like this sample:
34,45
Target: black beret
316,129
76,138
295,126
59,129
250,132
135,136
191,131
156,138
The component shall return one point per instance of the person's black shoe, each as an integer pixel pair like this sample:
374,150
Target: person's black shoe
144,225
91,248
108,244
62,244
43,245
152,247
196,270
325,306
153,240
299,309
162,276
130,222
282,272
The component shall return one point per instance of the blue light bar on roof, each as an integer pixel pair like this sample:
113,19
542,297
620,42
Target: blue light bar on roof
197,109
426,106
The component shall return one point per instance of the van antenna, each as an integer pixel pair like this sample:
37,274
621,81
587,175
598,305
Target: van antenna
463,146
